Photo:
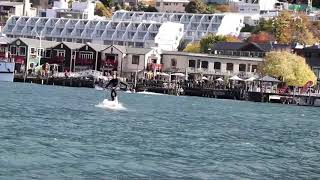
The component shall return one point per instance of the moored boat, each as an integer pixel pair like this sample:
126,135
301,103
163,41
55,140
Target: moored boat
6,71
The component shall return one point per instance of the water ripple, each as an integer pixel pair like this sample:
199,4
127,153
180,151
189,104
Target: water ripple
50,132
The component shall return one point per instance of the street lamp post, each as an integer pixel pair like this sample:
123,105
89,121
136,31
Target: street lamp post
40,44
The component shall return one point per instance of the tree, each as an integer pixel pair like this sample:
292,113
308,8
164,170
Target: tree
261,37
230,38
196,6
293,29
107,3
145,7
291,68
101,10
264,25
182,45
210,9
247,28
282,26
117,7
207,42
193,47
70,3
223,8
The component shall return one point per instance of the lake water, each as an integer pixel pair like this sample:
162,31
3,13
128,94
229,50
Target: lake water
51,132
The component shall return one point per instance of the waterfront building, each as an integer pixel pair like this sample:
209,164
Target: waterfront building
312,56
131,61
247,49
78,10
65,55
225,59
209,64
172,6
4,47
28,53
134,29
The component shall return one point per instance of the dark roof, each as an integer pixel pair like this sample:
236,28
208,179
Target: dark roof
36,43
236,46
228,45
272,46
130,50
97,47
73,46
314,47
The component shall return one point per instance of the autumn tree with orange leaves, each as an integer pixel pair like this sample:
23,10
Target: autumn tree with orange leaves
261,37
293,28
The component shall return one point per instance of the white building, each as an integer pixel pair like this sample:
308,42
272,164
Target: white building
209,64
79,10
8,8
169,41
195,25
175,6
255,6
220,1
134,29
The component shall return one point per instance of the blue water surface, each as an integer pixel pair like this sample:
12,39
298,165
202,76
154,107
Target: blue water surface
51,132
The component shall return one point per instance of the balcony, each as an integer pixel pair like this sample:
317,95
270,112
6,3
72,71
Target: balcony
154,67
56,60
251,54
84,62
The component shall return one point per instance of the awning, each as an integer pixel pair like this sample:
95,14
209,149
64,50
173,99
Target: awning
219,79
236,78
178,74
269,79
250,79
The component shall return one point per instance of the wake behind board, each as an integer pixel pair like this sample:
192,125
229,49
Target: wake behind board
113,105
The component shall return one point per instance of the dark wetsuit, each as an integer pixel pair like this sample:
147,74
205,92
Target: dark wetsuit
114,83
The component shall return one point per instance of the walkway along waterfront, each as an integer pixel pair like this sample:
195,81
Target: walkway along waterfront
188,88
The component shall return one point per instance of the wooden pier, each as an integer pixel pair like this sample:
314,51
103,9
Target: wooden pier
70,82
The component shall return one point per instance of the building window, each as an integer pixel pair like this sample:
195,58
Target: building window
173,62
254,68
166,4
217,65
158,4
33,50
204,64
198,63
13,50
242,67
60,53
229,66
40,52
22,51
48,53
192,63
135,59
85,55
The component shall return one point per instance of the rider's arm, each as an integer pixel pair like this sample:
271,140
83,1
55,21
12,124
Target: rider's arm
125,84
108,84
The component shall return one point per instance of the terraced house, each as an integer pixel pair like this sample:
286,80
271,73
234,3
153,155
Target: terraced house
133,29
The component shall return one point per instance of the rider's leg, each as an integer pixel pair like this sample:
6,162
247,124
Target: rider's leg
113,94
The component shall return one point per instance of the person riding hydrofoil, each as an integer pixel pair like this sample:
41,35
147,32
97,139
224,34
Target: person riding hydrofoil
114,84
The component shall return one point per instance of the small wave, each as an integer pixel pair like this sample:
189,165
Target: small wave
98,88
113,105
150,93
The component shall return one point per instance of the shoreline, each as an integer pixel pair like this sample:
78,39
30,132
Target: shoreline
231,94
